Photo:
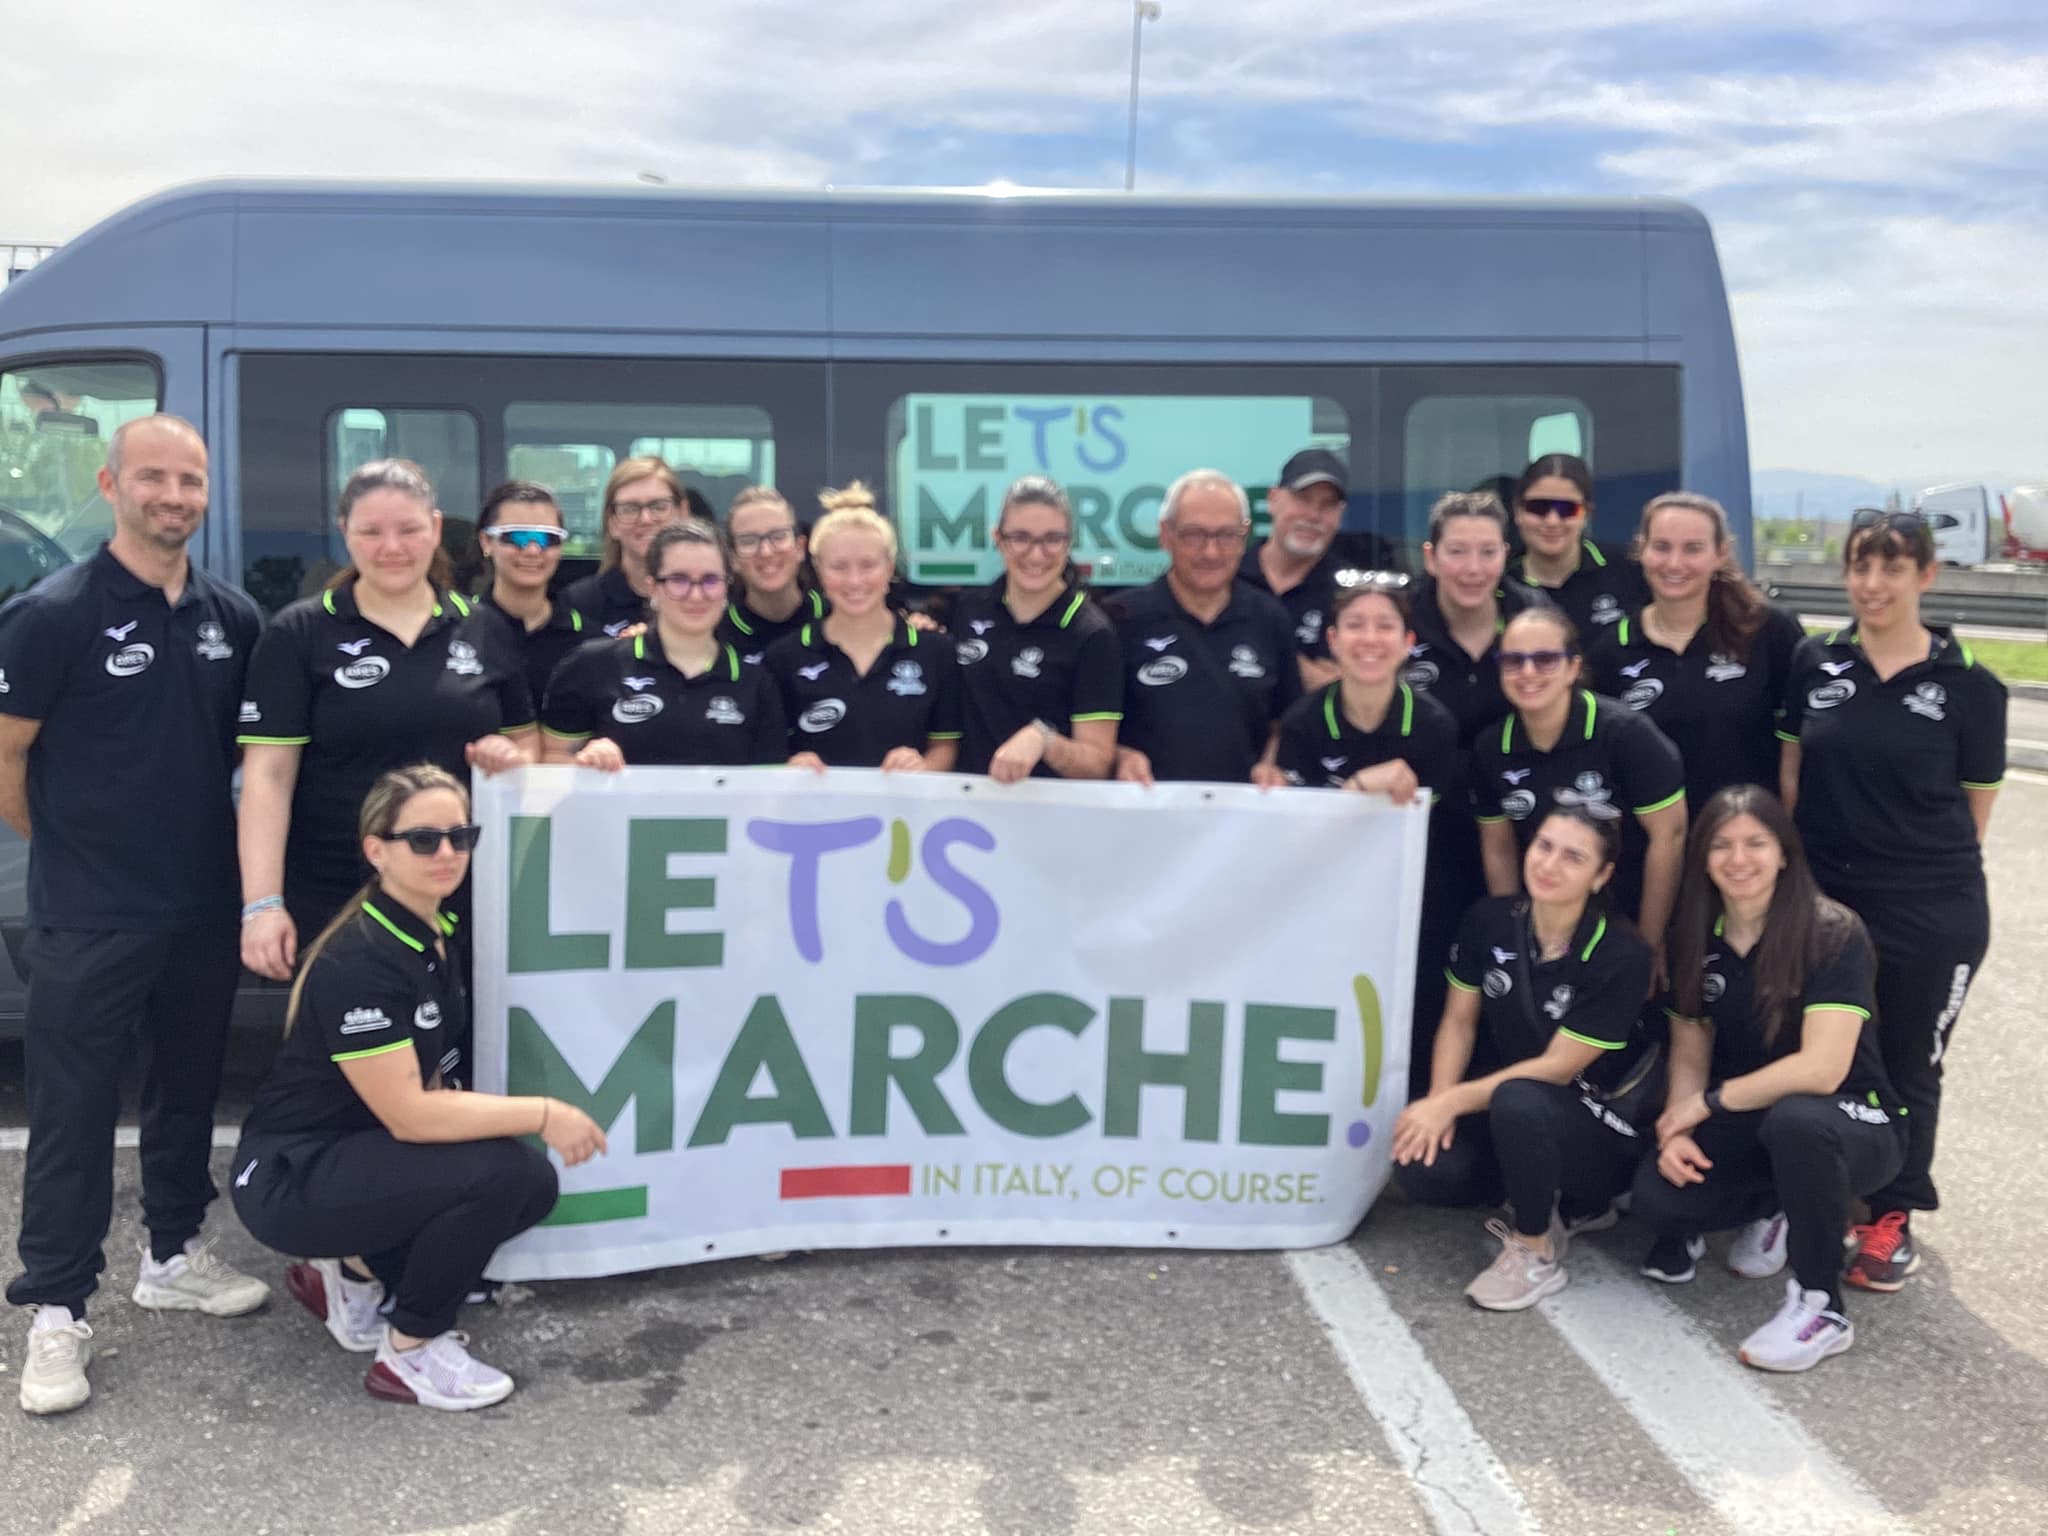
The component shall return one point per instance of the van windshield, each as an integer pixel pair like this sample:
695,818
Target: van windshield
55,422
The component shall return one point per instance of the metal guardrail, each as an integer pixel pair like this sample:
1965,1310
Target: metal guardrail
18,256
2021,603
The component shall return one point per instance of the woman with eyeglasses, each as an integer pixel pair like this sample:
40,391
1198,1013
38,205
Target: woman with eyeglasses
387,666
1894,748
676,694
1564,745
1780,1110
364,1151
1545,991
861,687
521,534
642,496
1553,509
771,598
1706,657
1041,673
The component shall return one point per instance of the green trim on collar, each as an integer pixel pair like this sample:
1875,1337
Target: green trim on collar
640,647
1507,733
576,621
327,600
1587,695
817,603
1599,933
1407,709
732,611
1621,632
1720,925
805,632
398,933
732,659
1592,552
1073,608
1330,709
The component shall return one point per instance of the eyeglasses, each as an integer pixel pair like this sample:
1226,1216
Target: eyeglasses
1045,543
426,841
1207,538
642,511
527,538
1553,506
772,538
676,584
1542,663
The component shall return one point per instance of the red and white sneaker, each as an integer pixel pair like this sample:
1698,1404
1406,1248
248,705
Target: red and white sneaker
350,1309
1885,1254
440,1373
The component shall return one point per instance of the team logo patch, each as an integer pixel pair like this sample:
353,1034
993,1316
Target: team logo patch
1636,669
906,679
641,706
1310,629
1161,642
1420,674
213,642
971,651
361,1021
1606,610
1027,661
363,672
1245,663
353,647
1828,695
122,631
638,684
1928,701
1591,787
1517,804
1642,695
1560,1002
813,672
1162,671
427,1016
723,711
1724,669
1496,983
1516,775
1502,956
822,716
463,660
131,659
1837,668
613,629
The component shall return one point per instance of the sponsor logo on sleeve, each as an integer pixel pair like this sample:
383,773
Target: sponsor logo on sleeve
641,706
363,1021
1828,695
1027,662
5,686
1163,670
213,642
906,679
724,711
822,716
251,715
1245,663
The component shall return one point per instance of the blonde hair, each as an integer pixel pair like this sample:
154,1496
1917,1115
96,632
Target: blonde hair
629,470
847,509
759,496
382,806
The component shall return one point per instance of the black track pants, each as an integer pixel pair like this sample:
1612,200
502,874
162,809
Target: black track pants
91,995
1806,1155
1540,1145
425,1218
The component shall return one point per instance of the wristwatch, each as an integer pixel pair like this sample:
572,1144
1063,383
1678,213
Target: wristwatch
1712,1099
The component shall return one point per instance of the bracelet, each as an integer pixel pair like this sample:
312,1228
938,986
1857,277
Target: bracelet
1045,731
261,905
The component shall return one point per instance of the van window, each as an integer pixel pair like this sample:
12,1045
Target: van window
56,418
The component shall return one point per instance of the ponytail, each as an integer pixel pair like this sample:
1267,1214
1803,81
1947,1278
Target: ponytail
1735,607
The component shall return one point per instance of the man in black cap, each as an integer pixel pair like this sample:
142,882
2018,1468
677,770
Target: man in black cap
1298,561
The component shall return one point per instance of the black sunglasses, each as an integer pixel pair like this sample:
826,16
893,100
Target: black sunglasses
1872,517
1553,506
426,841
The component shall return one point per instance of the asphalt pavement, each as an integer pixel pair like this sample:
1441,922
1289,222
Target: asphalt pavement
1349,1389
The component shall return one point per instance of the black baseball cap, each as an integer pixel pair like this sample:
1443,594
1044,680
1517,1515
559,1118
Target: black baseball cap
1314,466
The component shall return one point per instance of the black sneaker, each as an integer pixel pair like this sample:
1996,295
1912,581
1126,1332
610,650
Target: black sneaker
1885,1254
1674,1260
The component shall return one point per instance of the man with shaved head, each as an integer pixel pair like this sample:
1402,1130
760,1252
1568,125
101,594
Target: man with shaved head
120,683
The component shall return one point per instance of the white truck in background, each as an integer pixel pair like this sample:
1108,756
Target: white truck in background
1974,525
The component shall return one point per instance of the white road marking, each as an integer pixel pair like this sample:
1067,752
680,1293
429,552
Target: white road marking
107,1492
14,1138
1711,1417
1454,1472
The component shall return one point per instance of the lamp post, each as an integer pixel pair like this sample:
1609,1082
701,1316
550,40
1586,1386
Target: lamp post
1142,11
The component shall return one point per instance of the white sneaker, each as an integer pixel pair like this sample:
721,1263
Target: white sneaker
440,1373
1804,1333
351,1309
1758,1251
1519,1276
53,1375
197,1280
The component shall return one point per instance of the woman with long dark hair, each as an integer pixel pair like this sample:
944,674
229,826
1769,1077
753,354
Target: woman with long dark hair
521,533
1553,510
1894,750
1706,657
1779,1107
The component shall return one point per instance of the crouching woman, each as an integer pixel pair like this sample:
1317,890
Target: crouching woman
362,1151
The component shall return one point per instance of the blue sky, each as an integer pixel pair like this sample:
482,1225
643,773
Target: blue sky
1874,170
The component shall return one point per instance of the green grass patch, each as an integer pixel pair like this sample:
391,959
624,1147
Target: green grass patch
2015,661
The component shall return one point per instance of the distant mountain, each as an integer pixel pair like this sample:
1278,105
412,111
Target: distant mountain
1801,494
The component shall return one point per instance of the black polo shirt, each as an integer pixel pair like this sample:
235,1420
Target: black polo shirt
1885,767
1321,748
607,600
1843,975
377,987
910,696
1307,602
1467,685
1593,992
1605,588
1608,755
1719,710
629,692
750,634
544,648
1201,700
129,777
1063,666
359,703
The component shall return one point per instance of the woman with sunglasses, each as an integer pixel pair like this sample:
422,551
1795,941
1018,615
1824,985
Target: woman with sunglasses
771,598
1041,672
1553,509
1706,657
1780,1110
1562,745
1545,991
1894,748
862,688
520,531
363,1151
387,666
676,694
642,496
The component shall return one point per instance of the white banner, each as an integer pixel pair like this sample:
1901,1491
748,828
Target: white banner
848,1011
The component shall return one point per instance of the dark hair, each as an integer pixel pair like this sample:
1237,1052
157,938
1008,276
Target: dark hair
408,479
1801,927
1466,504
694,531
1607,829
1735,608
1550,614
1364,584
1036,491
523,493
1567,465
1889,536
